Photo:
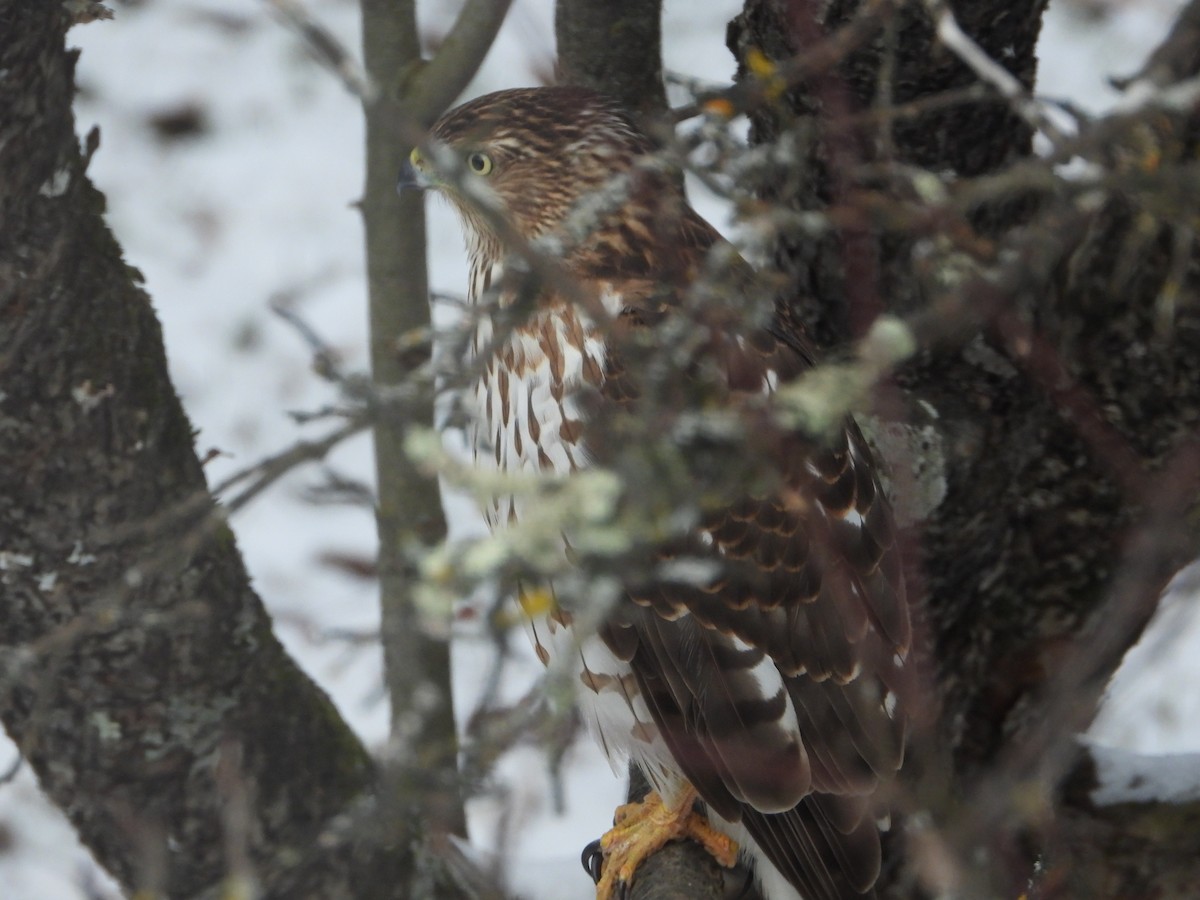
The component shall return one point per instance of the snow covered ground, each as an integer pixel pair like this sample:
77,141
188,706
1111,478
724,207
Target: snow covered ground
231,162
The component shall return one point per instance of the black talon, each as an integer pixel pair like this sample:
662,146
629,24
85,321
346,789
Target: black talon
593,860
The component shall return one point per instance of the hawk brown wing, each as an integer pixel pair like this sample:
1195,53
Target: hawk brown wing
831,630
802,632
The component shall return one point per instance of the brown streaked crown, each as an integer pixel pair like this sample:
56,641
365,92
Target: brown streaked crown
548,147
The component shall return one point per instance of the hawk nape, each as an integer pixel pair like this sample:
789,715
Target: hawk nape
766,697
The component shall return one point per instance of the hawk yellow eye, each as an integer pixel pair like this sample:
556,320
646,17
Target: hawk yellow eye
480,163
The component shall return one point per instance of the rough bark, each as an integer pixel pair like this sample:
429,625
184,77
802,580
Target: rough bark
895,60
615,48
1064,414
141,678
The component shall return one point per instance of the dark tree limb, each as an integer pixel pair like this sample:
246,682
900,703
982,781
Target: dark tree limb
682,870
140,675
426,89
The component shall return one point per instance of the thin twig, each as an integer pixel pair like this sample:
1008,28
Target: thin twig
327,49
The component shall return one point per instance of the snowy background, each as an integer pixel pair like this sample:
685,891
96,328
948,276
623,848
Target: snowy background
231,162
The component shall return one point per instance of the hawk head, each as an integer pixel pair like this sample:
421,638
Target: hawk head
534,155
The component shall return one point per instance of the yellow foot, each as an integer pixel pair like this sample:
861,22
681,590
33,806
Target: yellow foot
641,829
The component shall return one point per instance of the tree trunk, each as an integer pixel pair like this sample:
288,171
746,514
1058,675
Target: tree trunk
626,63
423,786
1059,418
408,507
142,680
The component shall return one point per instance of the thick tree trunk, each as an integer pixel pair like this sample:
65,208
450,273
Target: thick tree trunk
141,678
1061,414
614,47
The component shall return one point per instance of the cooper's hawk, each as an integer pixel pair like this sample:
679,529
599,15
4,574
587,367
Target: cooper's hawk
763,686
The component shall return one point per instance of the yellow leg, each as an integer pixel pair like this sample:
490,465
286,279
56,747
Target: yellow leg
641,829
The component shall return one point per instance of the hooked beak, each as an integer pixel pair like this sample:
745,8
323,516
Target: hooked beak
412,174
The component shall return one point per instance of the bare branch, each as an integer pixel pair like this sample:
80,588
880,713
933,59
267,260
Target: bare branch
326,48
436,83
1175,59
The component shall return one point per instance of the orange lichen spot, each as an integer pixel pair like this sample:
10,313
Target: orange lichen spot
720,106
767,72
759,64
